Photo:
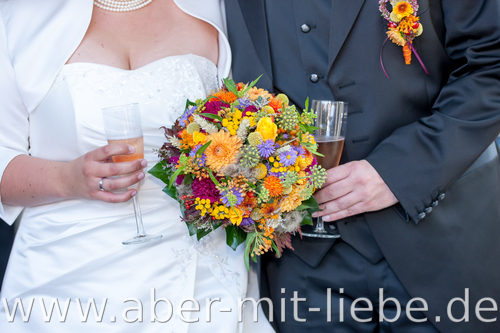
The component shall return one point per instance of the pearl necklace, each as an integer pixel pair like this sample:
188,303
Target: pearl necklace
121,5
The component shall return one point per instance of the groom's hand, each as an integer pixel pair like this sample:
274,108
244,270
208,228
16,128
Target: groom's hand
351,189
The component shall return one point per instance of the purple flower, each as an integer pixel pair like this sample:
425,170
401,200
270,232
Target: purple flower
288,158
267,148
205,189
214,108
285,136
200,158
247,221
231,197
243,103
300,151
248,109
184,121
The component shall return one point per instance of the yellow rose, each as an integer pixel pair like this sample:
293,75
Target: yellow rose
267,128
199,137
235,215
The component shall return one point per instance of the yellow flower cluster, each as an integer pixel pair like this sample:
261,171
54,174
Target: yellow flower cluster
232,123
277,166
203,205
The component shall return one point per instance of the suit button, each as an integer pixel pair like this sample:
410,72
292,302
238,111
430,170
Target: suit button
421,216
314,78
441,196
305,28
435,203
428,210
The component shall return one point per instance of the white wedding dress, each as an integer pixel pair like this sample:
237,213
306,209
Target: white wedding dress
72,249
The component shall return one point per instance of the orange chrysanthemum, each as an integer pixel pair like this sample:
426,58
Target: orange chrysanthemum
273,185
255,93
187,140
223,149
293,200
403,9
275,104
226,96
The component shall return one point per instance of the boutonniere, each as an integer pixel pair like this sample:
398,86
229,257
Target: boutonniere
403,27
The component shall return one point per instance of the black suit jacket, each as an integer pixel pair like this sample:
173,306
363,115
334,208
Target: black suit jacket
420,132
6,239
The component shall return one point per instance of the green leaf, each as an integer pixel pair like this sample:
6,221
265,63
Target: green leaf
235,236
161,172
203,148
310,204
192,228
216,182
231,86
211,116
308,128
203,232
188,180
174,176
275,248
248,246
307,105
254,82
308,220
172,192
189,103
251,185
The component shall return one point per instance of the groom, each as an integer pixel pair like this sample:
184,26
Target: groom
417,196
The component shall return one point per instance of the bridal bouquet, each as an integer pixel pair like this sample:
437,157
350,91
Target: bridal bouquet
243,160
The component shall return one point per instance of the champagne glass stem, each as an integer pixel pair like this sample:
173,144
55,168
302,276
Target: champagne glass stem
138,216
320,226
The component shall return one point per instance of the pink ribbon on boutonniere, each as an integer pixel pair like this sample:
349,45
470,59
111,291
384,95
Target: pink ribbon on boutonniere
403,27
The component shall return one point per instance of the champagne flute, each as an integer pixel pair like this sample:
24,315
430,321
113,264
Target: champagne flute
123,125
331,122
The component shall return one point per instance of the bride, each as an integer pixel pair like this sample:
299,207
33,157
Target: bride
61,63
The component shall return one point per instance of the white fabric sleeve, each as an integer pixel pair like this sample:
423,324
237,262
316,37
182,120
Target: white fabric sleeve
14,123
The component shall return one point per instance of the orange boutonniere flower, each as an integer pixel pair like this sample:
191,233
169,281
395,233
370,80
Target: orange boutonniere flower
403,27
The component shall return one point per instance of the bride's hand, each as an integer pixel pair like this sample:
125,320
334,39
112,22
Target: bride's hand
82,175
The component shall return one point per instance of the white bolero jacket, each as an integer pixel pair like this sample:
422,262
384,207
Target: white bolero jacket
36,39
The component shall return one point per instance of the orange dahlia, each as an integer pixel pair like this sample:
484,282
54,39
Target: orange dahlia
223,149
275,104
273,185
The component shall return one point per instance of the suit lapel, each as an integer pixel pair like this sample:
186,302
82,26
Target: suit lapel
344,14
254,12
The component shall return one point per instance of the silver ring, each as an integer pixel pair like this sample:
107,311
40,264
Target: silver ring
100,184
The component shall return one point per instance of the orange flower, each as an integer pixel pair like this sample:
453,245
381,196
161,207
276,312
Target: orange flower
273,185
187,140
403,9
293,200
223,149
275,104
226,96
270,209
248,204
254,93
